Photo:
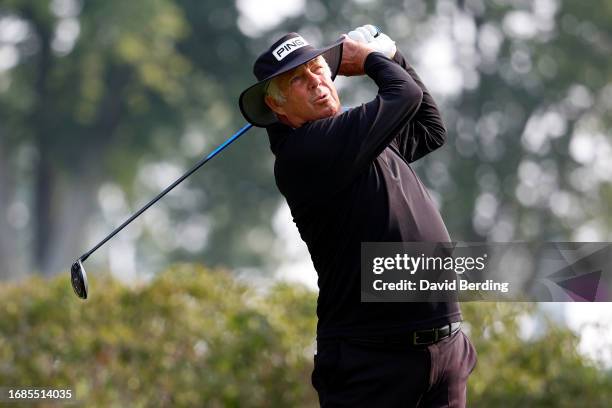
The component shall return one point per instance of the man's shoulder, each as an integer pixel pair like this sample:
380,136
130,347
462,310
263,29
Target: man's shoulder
335,125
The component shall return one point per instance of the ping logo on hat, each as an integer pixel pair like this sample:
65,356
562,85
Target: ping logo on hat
288,47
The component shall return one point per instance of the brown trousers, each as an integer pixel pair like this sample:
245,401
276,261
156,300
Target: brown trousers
355,373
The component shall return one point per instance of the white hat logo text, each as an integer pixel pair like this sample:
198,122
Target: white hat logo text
288,47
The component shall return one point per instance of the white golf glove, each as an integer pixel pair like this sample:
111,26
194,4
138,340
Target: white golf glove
371,35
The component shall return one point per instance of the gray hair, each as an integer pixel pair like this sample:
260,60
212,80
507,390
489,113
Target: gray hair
274,92
273,89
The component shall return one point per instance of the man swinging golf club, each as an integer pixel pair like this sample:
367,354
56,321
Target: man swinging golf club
346,176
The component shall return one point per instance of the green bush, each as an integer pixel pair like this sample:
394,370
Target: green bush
191,338
195,337
545,371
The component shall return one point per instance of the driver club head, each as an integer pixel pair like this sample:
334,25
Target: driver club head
79,279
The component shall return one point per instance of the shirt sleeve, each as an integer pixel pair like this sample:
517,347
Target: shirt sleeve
425,132
325,155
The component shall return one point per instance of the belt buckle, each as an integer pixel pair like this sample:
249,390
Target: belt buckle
415,340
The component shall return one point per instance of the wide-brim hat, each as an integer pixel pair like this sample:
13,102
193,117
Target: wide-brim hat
284,55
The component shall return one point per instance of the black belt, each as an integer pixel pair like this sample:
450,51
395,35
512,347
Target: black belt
431,336
423,337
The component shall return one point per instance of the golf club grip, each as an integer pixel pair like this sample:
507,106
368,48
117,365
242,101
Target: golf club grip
168,189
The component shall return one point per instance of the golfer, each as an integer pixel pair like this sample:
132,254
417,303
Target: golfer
346,175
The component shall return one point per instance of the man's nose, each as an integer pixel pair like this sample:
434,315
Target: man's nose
313,79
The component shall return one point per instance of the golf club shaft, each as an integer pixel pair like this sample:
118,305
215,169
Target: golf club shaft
170,187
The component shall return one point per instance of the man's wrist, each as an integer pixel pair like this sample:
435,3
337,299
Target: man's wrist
368,53
370,60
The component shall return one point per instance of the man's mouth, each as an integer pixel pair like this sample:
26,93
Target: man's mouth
320,98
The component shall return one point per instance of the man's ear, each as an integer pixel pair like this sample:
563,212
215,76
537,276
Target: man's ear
274,105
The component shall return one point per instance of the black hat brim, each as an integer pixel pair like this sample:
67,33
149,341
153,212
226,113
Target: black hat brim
251,101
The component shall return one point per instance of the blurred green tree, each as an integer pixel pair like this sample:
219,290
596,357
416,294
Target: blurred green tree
91,85
98,89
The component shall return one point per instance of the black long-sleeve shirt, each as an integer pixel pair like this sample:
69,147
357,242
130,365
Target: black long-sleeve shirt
347,180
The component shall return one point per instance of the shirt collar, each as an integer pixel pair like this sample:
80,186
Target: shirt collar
277,133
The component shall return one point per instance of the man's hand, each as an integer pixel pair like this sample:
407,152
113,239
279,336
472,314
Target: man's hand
353,57
378,40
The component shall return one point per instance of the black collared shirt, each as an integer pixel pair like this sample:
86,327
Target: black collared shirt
347,180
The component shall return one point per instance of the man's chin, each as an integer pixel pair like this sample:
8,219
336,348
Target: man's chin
330,111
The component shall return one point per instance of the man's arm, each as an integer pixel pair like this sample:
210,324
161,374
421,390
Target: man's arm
325,155
425,132
379,121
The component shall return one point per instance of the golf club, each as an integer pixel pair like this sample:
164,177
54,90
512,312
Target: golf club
77,271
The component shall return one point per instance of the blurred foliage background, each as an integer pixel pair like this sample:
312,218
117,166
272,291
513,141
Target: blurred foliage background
104,103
